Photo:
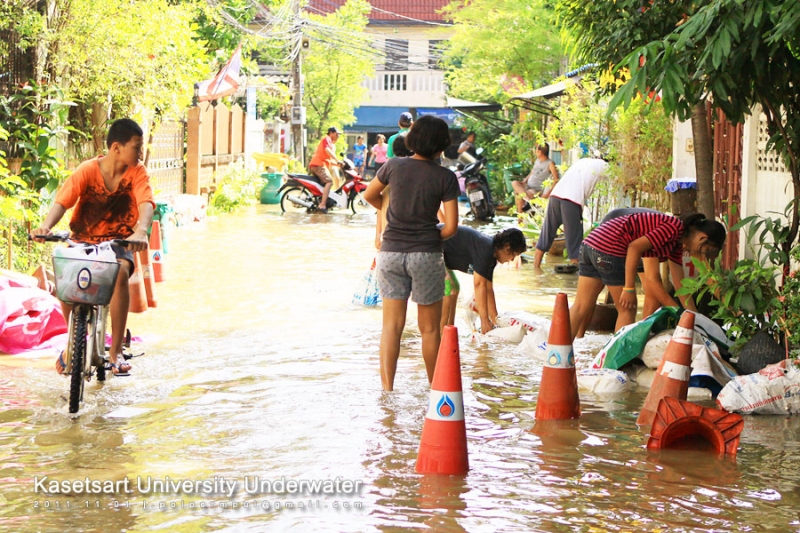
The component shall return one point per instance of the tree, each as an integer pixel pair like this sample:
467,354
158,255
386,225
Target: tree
606,33
498,41
739,53
336,65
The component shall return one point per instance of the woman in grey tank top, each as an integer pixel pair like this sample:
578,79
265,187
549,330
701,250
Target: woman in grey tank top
533,185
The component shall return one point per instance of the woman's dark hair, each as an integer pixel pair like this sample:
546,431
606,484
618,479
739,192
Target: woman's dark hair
545,149
698,222
428,136
399,146
512,237
122,131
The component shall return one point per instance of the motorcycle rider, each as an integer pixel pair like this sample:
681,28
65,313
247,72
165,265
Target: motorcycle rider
325,156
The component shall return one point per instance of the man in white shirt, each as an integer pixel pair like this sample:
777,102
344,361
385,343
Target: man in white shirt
566,207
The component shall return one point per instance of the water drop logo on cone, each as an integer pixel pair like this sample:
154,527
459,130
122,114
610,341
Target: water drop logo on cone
558,392
443,446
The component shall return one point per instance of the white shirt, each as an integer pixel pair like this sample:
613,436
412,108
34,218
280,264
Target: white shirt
577,183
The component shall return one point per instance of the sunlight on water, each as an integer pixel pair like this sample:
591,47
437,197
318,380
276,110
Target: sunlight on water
259,370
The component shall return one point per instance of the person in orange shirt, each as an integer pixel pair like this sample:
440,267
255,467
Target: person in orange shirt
113,200
324,156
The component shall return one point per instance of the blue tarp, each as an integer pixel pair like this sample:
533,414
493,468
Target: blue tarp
376,119
675,184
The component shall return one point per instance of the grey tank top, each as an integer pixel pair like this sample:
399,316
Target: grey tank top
540,172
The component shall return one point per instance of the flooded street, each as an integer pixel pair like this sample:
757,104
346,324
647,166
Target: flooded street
259,369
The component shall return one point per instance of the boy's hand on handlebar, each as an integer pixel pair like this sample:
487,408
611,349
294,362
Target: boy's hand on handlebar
138,241
40,232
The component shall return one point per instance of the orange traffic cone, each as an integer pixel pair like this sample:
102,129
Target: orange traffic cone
443,447
156,255
672,376
558,392
685,425
138,297
147,274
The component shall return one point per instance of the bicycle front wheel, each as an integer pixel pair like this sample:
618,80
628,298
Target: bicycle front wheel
78,343
359,205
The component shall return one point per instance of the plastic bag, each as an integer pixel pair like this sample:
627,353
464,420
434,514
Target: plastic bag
773,390
534,344
604,381
630,340
369,295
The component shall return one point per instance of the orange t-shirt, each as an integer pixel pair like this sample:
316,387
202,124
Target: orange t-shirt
321,158
101,215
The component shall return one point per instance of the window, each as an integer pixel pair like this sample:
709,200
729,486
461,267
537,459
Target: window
395,82
396,54
435,49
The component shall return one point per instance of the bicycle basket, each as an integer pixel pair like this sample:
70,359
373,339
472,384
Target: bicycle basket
82,278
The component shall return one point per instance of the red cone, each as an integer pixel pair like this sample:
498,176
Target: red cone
147,274
138,297
156,255
443,447
558,392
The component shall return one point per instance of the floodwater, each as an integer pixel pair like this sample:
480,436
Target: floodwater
259,371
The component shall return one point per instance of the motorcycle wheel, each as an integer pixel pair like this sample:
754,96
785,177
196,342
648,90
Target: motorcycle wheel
299,193
359,205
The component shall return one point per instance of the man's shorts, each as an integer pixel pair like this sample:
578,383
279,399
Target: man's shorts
124,253
401,274
322,173
610,269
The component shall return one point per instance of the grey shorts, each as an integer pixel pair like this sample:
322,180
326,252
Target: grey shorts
610,269
123,253
322,173
402,274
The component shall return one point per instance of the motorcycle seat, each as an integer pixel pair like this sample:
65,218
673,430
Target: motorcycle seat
310,177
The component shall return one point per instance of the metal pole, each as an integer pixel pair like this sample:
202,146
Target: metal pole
297,99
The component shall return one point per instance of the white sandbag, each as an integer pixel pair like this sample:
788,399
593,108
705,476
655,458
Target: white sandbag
774,390
654,349
527,320
604,381
513,334
641,375
470,312
534,344
698,393
706,358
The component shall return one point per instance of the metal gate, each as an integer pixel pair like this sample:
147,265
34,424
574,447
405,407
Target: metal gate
728,180
165,158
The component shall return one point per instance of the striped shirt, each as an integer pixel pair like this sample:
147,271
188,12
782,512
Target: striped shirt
663,231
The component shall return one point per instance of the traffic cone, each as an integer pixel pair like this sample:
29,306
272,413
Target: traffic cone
685,425
147,274
443,447
138,297
672,376
558,392
156,255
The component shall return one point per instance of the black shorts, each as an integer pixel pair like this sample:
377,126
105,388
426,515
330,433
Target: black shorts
124,253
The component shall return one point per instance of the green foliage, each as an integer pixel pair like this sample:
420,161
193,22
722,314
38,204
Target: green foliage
272,100
32,118
333,72
500,48
236,187
745,297
641,154
580,118
789,303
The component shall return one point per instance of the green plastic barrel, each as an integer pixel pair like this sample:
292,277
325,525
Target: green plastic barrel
272,182
163,214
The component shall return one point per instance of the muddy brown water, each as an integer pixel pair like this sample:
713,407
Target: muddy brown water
259,371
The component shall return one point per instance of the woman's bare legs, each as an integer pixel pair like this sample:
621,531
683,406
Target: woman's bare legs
585,301
394,321
428,320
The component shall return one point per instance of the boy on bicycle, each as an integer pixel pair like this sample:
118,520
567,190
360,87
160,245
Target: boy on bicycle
113,200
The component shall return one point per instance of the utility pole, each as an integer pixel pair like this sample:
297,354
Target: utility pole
298,116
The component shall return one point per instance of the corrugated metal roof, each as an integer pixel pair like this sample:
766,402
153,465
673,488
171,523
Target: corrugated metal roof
399,11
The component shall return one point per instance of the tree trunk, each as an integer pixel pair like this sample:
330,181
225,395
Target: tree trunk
703,161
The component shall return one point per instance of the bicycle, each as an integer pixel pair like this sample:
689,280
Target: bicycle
85,275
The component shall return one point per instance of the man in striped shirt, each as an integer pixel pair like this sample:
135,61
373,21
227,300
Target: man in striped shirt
610,257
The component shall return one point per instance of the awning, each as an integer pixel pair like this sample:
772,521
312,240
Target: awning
376,119
466,105
444,113
548,91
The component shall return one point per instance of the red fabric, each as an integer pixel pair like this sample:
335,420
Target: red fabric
30,318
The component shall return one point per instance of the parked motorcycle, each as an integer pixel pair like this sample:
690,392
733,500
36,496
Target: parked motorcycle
476,186
301,191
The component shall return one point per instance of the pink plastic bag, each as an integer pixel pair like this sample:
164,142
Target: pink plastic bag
30,318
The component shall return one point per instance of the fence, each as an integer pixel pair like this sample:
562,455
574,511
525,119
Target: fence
165,158
215,138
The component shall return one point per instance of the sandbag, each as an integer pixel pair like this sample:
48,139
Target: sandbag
534,344
773,390
604,381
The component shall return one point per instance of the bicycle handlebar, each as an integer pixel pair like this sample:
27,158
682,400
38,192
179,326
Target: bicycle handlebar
64,237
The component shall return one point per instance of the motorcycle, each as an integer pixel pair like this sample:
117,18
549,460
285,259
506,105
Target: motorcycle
476,186
301,191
